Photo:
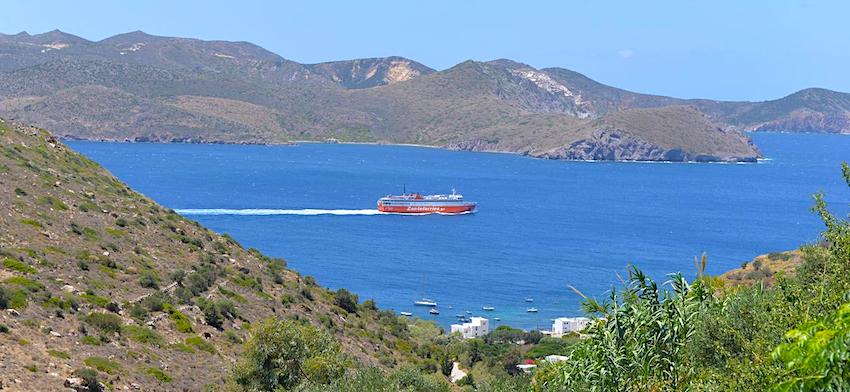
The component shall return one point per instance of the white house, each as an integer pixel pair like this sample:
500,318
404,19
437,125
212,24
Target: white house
565,325
477,326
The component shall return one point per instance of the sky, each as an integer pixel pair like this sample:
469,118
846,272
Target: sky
719,49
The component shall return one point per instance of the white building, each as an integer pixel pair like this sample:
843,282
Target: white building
565,325
477,326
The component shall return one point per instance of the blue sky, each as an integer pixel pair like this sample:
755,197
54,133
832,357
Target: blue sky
734,50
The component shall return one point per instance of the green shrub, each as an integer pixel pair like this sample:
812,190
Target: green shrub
32,222
121,222
201,344
181,322
59,354
4,328
281,354
90,340
158,374
19,266
142,335
90,380
52,202
345,300
103,364
148,280
104,322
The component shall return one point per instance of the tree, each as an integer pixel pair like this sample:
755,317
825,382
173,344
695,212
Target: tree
283,354
344,299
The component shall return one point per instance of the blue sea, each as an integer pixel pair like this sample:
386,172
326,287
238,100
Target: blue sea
541,224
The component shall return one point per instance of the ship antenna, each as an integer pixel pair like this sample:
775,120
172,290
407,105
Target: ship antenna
404,189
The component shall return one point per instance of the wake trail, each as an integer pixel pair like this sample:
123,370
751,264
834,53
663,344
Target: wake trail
265,211
302,212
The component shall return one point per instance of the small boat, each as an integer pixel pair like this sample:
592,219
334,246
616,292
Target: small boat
531,310
488,308
408,314
497,319
468,312
425,302
529,299
434,311
460,316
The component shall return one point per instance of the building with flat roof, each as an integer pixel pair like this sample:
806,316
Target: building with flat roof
477,326
565,325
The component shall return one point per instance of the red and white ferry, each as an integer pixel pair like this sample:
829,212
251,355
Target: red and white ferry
415,203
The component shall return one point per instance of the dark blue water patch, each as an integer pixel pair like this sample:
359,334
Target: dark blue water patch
541,225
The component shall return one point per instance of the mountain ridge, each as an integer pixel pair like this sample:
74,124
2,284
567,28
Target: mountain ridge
184,89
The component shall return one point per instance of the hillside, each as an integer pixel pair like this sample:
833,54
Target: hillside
95,275
137,86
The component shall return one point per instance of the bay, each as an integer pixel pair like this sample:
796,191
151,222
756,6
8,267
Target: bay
541,225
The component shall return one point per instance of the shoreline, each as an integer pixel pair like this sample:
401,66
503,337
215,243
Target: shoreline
294,143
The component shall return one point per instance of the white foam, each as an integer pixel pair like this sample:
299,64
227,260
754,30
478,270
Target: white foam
303,212
265,211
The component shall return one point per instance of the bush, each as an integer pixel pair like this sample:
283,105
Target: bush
89,377
281,354
103,364
18,266
201,344
158,374
148,280
4,298
181,322
143,335
345,300
105,322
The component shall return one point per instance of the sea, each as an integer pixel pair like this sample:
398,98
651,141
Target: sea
542,227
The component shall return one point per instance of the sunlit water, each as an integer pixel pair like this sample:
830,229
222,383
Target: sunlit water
541,224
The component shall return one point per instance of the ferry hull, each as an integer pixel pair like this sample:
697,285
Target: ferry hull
458,209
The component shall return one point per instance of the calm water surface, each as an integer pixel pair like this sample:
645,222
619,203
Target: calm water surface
541,224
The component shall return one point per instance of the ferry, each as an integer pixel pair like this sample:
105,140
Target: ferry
416,203
425,302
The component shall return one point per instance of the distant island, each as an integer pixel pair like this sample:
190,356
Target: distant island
140,87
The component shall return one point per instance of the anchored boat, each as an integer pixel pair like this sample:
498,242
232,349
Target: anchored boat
415,203
425,302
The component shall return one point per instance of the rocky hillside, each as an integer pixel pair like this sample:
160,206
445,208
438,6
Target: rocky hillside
96,278
137,86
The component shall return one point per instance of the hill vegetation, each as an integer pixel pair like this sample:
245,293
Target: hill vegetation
140,87
102,288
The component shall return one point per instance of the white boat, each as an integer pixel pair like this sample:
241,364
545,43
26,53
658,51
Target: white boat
529,299
425,302
488,308
531,310
434,311
408,314
468,312
497,319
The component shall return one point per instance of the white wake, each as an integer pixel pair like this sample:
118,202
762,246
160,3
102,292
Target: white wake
303,212
264,211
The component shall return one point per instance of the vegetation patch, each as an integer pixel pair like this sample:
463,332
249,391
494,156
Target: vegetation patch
104,322
19,266
103,364
200,344
142,335
158,374
181,322
59,354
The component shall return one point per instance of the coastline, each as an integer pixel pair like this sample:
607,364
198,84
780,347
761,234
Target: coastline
294,143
